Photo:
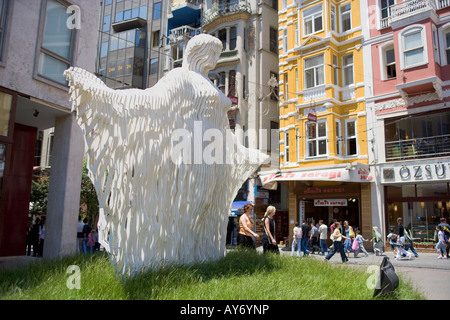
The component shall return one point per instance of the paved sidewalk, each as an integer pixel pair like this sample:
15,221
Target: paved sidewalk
429,275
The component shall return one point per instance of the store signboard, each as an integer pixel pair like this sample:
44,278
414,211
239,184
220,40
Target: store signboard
301,210
418,172
312,117
356,173
330,203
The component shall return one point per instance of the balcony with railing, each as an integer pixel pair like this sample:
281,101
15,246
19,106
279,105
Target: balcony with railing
410,8
437,146
225,8
183,33
441,4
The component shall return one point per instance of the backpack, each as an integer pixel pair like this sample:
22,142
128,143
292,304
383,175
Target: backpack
446,232
408,238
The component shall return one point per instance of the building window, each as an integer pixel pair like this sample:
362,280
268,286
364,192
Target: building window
274,95
386,12
333,25
346,17
285,41
286,87
338,137
283,5
297,142
221,85
313,19
296,34
273,33
232,83
106,23
417,136
391,72
447,46
296,80
154,65
155,39
316,138
104,50
314,71
3,8
233,38
222,35
435,45
57,43
275,4
286,146
413,46
157,8
350,137
335,70
6,108
347,69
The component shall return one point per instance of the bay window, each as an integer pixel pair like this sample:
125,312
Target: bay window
314,71
316,138
350,137
347,67
413,45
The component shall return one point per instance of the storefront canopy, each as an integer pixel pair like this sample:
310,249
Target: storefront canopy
354,172
236,206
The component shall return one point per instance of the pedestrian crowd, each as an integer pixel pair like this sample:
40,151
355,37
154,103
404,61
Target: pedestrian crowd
87,237
310,238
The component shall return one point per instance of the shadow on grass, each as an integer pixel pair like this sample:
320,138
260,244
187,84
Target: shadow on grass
237,263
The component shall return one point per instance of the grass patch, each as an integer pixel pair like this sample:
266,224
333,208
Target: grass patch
243,275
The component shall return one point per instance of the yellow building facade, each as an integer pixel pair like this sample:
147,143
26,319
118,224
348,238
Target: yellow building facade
323,135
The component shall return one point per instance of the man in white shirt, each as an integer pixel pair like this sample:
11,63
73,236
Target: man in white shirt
297,239
323,235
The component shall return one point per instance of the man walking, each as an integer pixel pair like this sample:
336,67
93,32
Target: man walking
305,237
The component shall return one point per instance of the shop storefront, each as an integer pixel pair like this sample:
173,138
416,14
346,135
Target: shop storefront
419,193
341,193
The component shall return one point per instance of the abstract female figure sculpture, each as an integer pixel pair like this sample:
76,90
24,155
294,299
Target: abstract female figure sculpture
157,207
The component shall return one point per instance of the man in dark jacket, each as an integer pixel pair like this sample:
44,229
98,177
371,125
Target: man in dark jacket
305,237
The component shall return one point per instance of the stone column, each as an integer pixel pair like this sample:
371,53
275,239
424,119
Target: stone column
64,189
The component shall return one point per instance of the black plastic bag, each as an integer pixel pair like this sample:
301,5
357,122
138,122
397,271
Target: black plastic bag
388,279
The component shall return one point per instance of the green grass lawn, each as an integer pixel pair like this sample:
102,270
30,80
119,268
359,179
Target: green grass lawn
240,275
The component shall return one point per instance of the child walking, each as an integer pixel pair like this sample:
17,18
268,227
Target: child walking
397,242
360,247
440,247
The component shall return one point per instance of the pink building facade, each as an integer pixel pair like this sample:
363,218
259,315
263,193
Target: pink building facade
407,80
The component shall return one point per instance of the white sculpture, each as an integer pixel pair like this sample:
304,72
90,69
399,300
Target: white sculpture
158,206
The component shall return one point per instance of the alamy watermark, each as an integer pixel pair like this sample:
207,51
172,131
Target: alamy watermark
214,146
74,20
74,280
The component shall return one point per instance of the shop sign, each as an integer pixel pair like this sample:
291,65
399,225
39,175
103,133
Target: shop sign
423,172
330,203
312,117
234,100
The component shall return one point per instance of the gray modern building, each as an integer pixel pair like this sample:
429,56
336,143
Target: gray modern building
130,49
40,39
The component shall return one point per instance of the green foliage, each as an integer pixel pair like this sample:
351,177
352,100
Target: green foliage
88,196
39,195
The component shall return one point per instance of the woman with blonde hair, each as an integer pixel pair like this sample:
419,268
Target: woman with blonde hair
268,240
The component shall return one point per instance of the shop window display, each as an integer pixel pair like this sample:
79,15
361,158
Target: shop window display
421,216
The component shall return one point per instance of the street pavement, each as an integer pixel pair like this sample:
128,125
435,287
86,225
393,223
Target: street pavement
429,275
